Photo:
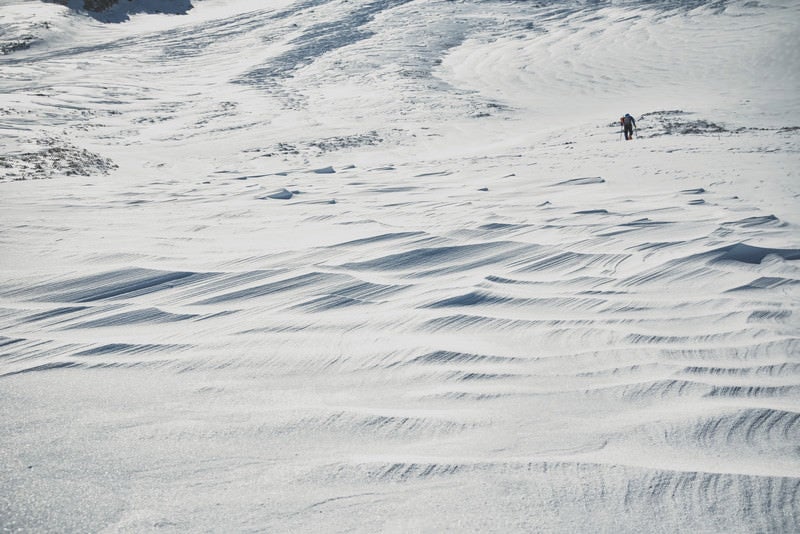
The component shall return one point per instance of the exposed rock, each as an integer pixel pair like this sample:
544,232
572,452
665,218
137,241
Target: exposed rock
55,158
119,10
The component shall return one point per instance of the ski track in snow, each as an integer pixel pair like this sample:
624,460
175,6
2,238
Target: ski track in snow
356,266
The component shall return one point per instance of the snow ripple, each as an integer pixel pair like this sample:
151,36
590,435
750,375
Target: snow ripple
348,273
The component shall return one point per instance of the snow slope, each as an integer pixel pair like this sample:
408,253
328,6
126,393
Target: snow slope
387,266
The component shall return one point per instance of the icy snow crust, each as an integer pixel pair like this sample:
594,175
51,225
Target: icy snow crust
387,266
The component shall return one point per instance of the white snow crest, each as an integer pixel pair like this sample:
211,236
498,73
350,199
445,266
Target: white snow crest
390,266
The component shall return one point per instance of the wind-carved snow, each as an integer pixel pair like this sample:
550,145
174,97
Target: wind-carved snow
388,266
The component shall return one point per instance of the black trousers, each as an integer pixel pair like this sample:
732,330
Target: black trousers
628,131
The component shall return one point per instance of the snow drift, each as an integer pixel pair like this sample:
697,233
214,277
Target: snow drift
387,266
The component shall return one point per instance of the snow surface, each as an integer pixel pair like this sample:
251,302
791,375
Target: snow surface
351,265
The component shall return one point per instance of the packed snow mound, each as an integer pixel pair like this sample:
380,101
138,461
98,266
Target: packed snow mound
390,266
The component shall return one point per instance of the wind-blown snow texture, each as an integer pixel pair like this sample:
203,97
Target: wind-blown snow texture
386,265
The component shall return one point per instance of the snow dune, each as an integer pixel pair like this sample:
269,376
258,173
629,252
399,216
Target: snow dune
387,266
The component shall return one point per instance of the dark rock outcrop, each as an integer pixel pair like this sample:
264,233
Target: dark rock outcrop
120,10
